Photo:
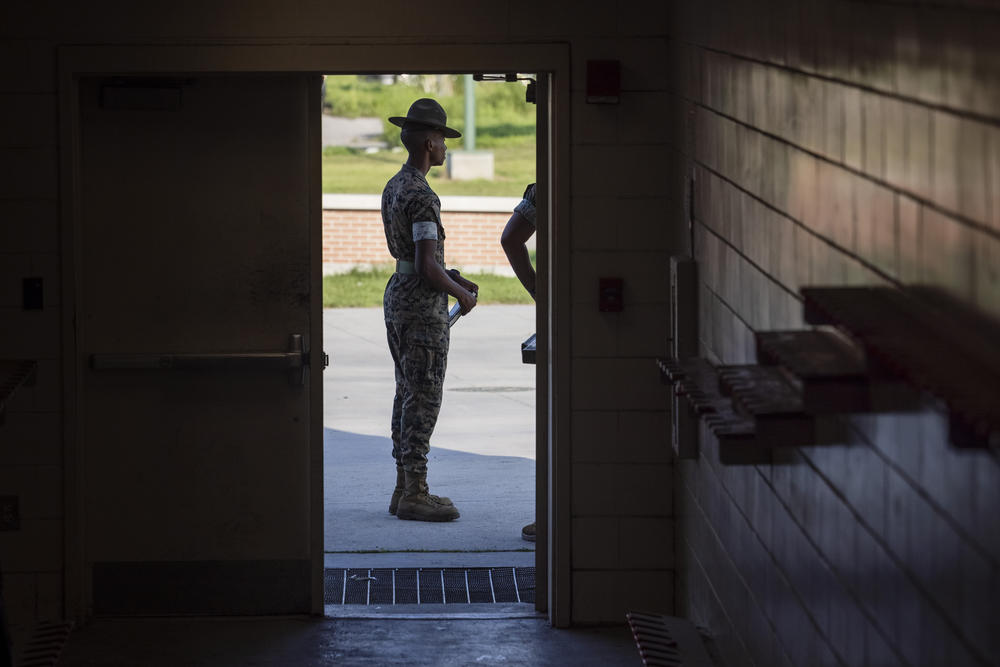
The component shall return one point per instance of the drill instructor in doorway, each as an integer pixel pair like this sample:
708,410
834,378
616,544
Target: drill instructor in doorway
416,308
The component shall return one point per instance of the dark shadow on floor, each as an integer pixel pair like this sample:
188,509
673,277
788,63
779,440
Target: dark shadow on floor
307,642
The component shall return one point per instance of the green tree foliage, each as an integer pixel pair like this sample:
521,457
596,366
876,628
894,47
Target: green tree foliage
503,117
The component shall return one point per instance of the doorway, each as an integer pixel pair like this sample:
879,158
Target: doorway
553,412
483,449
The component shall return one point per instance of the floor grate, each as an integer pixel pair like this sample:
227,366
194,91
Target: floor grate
667,641
45,645
429,585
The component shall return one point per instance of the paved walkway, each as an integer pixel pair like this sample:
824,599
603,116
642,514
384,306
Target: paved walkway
483,450
353,132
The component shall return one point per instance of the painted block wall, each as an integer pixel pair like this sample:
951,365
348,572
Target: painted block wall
626,220
840,143
30,439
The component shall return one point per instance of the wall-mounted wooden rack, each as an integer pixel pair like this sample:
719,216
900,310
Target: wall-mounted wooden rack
881,350
832,373
732,421
774,404
928,340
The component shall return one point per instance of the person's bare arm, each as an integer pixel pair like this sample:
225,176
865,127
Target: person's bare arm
514,239
439,279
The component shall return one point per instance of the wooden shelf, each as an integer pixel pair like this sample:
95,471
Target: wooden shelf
766,395
886,351
833,374
929,341
733,426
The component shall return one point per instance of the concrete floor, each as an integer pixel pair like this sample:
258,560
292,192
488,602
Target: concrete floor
482,457
305,642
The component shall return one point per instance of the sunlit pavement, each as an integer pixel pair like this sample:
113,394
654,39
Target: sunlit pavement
482,453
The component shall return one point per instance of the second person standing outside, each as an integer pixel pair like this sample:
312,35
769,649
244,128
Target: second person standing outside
514,239
520,227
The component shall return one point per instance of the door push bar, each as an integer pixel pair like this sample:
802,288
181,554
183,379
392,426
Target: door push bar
294,361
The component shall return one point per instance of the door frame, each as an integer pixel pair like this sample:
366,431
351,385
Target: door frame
553,464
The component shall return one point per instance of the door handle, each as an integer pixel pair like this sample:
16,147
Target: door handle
294,361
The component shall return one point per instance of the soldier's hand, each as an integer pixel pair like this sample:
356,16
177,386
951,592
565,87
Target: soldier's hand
467,301
462,281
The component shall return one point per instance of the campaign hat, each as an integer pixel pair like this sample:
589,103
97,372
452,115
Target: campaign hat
429,114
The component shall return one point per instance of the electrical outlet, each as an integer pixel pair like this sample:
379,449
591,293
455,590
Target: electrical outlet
10,518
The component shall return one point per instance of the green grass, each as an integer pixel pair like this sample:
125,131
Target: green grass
361,288
349,171
505,124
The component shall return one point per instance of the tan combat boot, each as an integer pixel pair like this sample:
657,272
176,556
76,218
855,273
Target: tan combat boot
397,493
419,505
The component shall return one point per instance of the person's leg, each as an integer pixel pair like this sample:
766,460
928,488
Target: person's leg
396,429
397,415
424,359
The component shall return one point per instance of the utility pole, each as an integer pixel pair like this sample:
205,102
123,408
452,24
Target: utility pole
468,163
470,113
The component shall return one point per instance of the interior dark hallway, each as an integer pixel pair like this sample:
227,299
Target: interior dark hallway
778,147
308,642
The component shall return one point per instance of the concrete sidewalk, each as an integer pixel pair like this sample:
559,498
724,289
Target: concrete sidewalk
482,453
365,132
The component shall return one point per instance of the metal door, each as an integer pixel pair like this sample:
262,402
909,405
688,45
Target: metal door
195,325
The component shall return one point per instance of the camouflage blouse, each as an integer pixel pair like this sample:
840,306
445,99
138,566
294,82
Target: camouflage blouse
410,212
526,207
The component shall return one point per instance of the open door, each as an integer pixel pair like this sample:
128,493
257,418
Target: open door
196,320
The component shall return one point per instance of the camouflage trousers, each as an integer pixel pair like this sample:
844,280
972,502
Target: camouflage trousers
420,354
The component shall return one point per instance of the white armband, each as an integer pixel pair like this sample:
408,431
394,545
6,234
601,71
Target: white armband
423,231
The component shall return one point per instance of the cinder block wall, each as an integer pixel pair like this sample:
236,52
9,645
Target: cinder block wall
31,437
627,219
840,143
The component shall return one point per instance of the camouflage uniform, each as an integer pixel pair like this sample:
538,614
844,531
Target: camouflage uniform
526,207
416,317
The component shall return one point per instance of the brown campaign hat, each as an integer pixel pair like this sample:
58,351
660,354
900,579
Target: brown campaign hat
426,111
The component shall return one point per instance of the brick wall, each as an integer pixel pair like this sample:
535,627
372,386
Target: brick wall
840,143
356,237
